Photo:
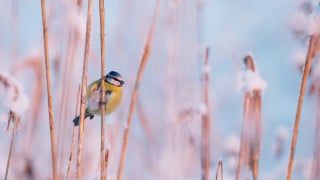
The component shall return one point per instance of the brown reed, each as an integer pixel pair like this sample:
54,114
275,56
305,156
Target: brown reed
16,120
50,107
249,153
102,96
205,145
306,71
84,87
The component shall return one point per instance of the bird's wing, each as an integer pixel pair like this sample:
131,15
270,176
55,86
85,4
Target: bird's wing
94,86
108,95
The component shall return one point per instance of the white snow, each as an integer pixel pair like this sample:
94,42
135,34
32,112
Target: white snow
206,69
13,95
232,144
313,26
250,81
299,57
202,108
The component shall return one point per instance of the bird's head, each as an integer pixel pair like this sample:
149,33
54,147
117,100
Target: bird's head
114,78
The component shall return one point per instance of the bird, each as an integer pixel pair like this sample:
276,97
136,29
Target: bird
113,83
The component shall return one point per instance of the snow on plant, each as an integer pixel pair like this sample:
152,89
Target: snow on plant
249,81
12,94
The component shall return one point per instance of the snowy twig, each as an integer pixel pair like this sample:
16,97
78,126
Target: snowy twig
205,150
15,99
16,120
251,125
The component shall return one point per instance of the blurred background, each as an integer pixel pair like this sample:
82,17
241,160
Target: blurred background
165,135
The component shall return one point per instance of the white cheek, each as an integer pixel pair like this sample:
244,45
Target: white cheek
114,82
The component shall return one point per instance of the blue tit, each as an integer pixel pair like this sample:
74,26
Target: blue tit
113,91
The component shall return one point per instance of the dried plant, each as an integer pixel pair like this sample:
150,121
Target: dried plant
220,167
46,58
251,128
205,145
13,117
102,96
84,87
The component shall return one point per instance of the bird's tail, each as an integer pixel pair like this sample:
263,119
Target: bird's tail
76,120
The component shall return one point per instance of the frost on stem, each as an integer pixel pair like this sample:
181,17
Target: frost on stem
306,21
299,58
250,79
12,94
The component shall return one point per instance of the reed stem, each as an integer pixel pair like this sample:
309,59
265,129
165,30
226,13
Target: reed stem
84,87
48,80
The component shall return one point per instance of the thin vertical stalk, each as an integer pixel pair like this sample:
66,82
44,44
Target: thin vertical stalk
102,96
12,117
47,66
306,71
220,167
84,87
144,60
73,134
205,146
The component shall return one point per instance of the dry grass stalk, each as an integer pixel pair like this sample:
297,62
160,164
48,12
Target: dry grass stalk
84,87
220,167
16,120
205,145
73,135
251,128
51,120
134,96
306,71
103,96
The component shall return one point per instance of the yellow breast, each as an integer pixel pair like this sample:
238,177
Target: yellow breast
113,99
